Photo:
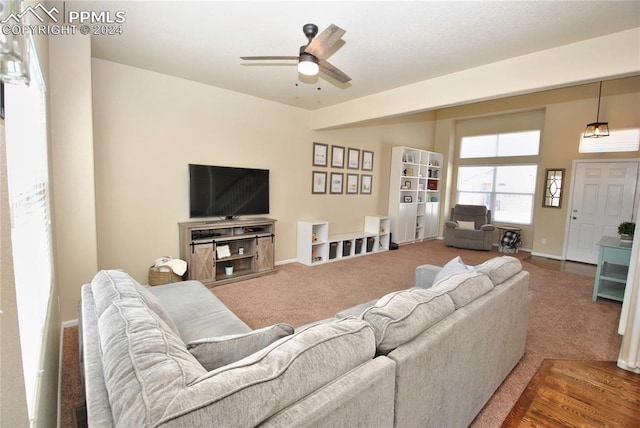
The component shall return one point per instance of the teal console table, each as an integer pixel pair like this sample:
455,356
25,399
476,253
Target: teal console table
613,266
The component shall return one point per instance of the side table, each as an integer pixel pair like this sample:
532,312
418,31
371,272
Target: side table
509,239
613,266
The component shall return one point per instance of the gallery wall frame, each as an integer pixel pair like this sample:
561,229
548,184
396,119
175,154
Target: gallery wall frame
320,154
336,183
318,182
353,158
367,160
352,184
337,156
366,182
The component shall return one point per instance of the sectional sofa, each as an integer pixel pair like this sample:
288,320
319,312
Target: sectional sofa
431,355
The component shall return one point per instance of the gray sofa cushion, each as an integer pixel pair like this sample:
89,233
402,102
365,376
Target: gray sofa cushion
111,285
399,317
145,363
464,287
197,312
499,269
249,391
215,352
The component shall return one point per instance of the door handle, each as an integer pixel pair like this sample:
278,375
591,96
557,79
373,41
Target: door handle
575,218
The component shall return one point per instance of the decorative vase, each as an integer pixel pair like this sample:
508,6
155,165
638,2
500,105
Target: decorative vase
228,270
626,238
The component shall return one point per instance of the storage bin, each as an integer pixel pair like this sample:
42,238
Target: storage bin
346,248
358,248
370,242
333,250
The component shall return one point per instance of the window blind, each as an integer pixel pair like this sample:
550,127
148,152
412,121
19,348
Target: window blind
28,183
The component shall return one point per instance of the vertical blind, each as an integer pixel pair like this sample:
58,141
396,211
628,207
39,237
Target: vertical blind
28,182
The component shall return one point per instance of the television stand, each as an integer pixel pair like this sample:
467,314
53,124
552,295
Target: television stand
223,251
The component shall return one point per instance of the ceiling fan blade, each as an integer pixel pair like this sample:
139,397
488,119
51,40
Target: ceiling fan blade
269,57
325,40
332,71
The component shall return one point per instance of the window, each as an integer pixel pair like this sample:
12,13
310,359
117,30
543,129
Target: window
525,143
621,140
28,183
507,189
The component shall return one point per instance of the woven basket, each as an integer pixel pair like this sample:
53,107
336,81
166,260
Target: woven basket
159,277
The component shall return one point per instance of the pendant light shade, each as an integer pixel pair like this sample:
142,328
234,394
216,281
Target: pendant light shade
597,129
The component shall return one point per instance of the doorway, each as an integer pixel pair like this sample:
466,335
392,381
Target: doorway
603,195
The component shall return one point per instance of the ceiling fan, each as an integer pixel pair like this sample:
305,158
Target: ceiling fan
310,60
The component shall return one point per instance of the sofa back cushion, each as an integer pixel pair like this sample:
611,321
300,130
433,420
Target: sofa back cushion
111,285
499,269
400,316
464,287
145,363
251,390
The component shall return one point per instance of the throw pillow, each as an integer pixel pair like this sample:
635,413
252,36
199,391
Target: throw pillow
466,225
215,352
453,266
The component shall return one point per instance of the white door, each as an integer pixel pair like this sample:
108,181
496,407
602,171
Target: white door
603,197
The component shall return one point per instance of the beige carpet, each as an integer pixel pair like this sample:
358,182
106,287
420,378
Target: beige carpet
564,322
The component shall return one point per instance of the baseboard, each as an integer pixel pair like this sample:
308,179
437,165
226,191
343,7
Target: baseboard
70,323
547,256
286,262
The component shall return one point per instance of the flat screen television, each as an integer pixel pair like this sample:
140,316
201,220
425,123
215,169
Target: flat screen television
227,191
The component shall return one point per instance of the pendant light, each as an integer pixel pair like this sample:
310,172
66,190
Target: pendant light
597,129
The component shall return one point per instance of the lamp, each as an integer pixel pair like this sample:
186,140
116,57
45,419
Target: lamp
308,65
597,129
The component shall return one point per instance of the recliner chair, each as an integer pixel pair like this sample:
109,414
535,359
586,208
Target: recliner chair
470,228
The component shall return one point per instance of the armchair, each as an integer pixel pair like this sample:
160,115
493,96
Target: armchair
470,227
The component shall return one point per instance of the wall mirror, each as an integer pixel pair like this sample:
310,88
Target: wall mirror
553,180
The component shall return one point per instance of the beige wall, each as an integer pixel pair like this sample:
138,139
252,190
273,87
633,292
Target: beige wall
567,111
149,126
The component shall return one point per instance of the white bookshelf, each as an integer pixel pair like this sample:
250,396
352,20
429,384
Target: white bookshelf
414,194
315,245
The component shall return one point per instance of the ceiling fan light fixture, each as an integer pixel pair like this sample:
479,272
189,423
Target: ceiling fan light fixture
597,129
308,65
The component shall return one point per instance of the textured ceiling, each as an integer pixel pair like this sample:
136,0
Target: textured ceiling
387,43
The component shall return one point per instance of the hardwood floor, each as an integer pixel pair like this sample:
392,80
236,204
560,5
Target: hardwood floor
576,268
566,393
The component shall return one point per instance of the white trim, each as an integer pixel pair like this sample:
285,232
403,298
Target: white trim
286,262
547,256
70,323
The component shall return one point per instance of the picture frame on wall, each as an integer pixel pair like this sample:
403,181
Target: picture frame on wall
320,154
336,183
352,183
337,157
353,159
319,182
367,160
366,182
